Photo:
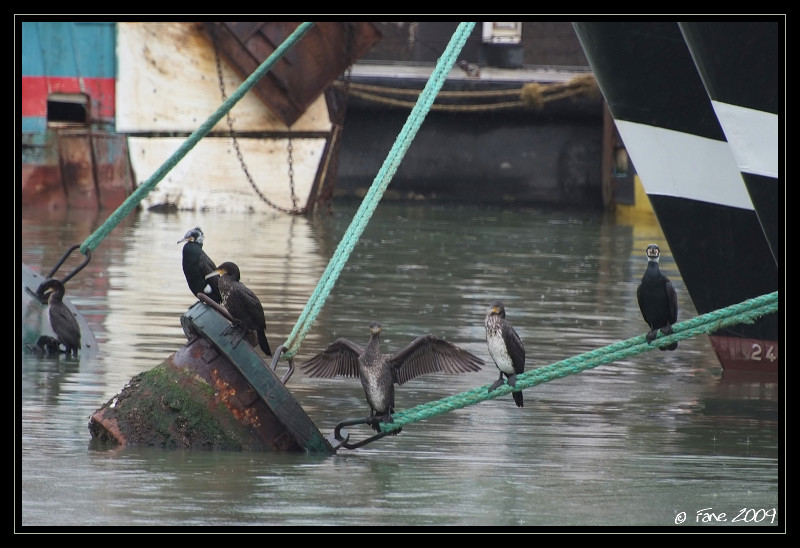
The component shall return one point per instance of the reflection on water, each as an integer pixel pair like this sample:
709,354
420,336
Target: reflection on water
635,442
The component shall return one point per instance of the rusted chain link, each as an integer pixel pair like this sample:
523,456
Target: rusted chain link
294,210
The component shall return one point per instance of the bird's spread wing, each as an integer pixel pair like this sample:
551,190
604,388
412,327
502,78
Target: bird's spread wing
430,354
339,359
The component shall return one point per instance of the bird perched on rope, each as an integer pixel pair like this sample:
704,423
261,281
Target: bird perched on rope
197,265
242,304
380,372
505,348
657,298
62,320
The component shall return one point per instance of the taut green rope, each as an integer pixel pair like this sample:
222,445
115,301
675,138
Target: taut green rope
138,195
381,181
745,312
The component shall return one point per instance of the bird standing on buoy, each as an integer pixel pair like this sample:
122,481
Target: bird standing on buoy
657,298
62,320
197,265
380,372
242,304
505,348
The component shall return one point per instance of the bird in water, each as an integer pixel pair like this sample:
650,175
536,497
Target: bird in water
505,348
62,320
657,298
380,372
242,304
197,265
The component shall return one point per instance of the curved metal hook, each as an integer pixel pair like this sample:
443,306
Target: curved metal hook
276,355
368,420
76,269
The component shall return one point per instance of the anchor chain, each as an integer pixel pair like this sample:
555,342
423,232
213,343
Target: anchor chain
294,210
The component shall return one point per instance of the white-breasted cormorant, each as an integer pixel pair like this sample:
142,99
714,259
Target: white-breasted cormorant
62,320
380,372
197,265
657,298
241,303
505,348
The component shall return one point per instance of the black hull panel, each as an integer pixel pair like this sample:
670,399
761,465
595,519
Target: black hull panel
720,262
749,113
703,199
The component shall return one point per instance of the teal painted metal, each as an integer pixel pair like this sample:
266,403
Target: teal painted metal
204,321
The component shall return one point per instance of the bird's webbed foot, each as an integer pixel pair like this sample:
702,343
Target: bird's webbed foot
496,384
667,329
651,335
512,382
375,420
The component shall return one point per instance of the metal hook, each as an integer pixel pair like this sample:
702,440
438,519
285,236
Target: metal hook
368,420
274,365
58,265
77,268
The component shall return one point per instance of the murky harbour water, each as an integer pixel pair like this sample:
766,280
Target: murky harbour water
659,439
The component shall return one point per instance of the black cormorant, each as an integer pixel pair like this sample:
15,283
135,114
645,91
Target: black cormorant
657,299
241,303
380,372
505,348
62,320
197,265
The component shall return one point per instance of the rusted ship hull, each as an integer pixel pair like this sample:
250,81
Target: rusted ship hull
105,105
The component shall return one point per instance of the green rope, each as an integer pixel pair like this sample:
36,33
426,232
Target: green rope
138,195
381,181
745,312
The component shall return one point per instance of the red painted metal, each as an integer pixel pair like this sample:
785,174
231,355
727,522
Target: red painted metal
747,355
35,91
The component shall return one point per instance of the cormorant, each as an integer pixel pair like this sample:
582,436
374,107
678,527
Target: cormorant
241,303
505,347
62,320
380,372
657,299
197,265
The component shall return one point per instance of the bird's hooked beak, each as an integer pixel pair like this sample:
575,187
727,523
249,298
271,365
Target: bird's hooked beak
193,235
217,272
45,289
